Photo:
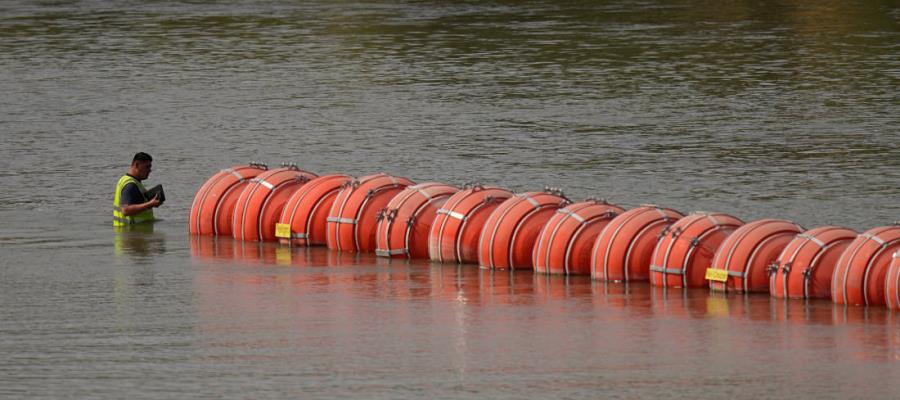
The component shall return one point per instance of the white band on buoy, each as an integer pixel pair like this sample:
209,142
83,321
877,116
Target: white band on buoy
571,214
530,199
341,220
453,214
424,193
656,268
812,239
266,184
873,237
235,173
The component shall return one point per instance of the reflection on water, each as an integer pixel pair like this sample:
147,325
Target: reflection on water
138,244
236,280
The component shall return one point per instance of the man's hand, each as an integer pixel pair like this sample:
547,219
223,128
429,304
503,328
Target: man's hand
154,202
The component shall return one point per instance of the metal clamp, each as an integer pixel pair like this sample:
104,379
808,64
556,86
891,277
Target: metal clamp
290,166
386,214
596,200
475,186
259,165
390,214
663,232
555,191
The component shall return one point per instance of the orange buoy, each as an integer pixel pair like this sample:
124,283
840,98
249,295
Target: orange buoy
457,226
892,284
565,242
859,277
745,255
306,211
259,206
404,224
805,266
623,250
351,223
217,197
508,237
687,248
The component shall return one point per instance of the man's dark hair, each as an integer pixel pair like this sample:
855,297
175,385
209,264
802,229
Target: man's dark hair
141,156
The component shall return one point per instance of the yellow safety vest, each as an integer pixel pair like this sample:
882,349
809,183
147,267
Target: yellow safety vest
120,219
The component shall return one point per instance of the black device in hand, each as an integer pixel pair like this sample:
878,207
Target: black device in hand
156,191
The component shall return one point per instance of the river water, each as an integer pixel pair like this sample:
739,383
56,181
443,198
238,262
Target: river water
760,109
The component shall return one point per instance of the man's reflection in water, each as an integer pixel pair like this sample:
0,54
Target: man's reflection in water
138,254
138,244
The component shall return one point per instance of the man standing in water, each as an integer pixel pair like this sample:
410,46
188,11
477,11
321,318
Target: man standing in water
131,204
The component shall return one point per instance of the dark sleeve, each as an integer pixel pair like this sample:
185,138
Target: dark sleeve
131,195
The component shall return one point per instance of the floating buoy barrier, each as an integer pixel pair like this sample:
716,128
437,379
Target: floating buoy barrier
892,284
565,242
259,206
623,250
859,277
540,231
741,263
686,249
508,237
303,220
213,204
805,267
352,221
457,225
405,223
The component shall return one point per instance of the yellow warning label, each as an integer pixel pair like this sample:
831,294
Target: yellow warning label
718,275
283,230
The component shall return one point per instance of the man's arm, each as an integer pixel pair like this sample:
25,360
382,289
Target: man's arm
133,200
133,209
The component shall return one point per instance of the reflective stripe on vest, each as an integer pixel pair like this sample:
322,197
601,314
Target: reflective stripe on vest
120,219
